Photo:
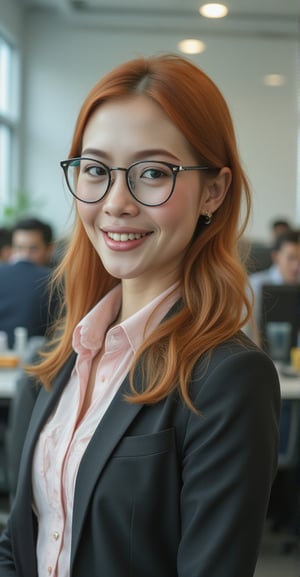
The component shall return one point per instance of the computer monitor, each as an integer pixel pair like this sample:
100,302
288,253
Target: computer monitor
281,303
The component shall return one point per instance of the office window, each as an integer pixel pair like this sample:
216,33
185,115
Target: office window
5,164
8,120
5,76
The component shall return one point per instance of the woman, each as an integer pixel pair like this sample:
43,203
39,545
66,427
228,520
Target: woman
153,444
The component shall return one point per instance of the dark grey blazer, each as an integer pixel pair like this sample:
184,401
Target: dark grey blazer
161,491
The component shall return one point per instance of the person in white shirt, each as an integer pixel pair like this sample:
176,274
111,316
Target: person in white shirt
284,270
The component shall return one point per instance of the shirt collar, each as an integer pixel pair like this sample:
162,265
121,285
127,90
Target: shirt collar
91,331
275,274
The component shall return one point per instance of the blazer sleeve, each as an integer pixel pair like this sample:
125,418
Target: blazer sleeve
229,463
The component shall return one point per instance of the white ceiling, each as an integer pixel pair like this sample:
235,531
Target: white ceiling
280,17
236,7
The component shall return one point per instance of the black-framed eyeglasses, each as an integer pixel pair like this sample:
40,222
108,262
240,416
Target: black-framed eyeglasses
150,182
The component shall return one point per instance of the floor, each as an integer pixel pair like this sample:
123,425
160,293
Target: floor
273,562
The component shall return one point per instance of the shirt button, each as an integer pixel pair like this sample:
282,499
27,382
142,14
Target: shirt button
55,535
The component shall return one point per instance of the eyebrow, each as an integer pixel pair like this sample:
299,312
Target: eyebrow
140,154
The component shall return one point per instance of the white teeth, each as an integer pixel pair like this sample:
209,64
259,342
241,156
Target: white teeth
124,236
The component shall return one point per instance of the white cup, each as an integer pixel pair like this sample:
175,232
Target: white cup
3,342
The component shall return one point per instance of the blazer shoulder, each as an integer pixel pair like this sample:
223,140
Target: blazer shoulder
236,364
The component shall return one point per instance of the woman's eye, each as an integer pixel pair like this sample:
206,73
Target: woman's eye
95,170
153,173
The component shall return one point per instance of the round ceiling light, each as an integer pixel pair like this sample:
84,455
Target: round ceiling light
274,80
212,10
191,46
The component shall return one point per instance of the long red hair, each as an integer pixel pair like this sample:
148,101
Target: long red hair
215,305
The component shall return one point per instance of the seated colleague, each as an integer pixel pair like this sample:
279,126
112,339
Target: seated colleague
278,227
24,290
259,254
32,239
24,298
284,270
5,243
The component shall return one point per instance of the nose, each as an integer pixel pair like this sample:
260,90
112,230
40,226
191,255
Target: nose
118,200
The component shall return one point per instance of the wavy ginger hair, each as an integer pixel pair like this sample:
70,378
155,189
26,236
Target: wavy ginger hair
212,279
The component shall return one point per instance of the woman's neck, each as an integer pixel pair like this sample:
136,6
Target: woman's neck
135,297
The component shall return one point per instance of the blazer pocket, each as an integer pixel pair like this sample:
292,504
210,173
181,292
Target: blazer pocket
145,445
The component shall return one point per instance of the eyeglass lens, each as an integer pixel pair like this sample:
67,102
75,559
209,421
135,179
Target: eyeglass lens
150,182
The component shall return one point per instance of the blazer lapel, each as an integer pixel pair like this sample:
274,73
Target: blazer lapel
102,444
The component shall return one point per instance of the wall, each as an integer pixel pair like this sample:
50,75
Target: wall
11,19
63,62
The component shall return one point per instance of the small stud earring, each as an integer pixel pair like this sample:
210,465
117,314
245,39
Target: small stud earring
207,217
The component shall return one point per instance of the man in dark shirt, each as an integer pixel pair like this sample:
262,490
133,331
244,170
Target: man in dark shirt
5,243
24,281
32,239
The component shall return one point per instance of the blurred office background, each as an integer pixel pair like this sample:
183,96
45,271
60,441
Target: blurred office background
60,48
53,51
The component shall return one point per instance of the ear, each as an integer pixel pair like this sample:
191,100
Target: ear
216,190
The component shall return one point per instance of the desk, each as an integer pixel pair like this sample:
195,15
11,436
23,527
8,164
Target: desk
290,387
289,382
9,375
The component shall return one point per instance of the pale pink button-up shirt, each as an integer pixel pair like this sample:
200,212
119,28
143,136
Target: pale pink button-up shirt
63,441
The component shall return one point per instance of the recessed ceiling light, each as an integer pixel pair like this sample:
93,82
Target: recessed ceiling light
274,79
191,46
213,10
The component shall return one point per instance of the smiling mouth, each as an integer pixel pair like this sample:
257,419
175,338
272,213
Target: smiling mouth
125,237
